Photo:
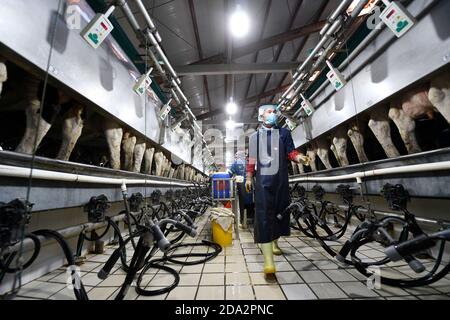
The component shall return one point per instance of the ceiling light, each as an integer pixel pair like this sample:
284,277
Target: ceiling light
231,107
367,8
239,23
230,124
314,76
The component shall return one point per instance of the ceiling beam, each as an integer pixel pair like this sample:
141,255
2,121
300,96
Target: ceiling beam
242,103
280,48
266,43
199,47
261,36
264,95
297,54
234,68
222,123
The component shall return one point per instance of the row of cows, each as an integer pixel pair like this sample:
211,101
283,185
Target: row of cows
127,151
423,101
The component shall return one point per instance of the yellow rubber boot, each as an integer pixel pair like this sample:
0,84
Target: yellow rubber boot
269,264
276,249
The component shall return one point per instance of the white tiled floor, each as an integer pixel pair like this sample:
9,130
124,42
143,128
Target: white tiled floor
304,271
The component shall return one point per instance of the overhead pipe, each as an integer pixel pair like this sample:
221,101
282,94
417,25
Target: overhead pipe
336,20
370,37
152,35
339,10
363,45
308,60
148,19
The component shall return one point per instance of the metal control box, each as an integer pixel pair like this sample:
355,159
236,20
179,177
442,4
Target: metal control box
307,107
397,18
97,30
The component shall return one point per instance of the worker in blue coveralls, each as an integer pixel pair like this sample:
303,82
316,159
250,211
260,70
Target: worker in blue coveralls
270,150
238,168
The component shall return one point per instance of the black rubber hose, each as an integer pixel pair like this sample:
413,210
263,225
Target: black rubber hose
36,251
82,236
154,264
98,236
170,256
80,292
428,279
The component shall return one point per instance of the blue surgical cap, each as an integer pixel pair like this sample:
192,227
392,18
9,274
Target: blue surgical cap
263,109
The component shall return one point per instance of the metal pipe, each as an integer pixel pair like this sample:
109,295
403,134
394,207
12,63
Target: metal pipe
157,64
330,32
425,167
129,15
137,28
145,14
161,53
69,232
393,214
319,46
153,36
20,172
175,96
342,6
336,20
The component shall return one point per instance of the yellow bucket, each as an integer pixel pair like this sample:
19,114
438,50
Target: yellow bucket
220,236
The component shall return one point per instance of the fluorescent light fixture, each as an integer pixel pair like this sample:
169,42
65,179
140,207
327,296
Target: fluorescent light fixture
239,23
367,9
290,95
231,107
314,76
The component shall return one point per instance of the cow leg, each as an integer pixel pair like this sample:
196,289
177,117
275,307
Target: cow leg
71,131
128,144
113,134
159,163
379,124
322,152
357,140
3,74
169,167
333,149
148,156
175,174
406,126
301,168
166,167
415,103
186,173
294,168
139,151
340,147
312,155
171,172
36,128
183,169
439,95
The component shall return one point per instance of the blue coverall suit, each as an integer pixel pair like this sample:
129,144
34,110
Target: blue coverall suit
271,189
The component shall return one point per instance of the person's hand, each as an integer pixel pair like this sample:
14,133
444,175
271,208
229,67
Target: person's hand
248,185
305,160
